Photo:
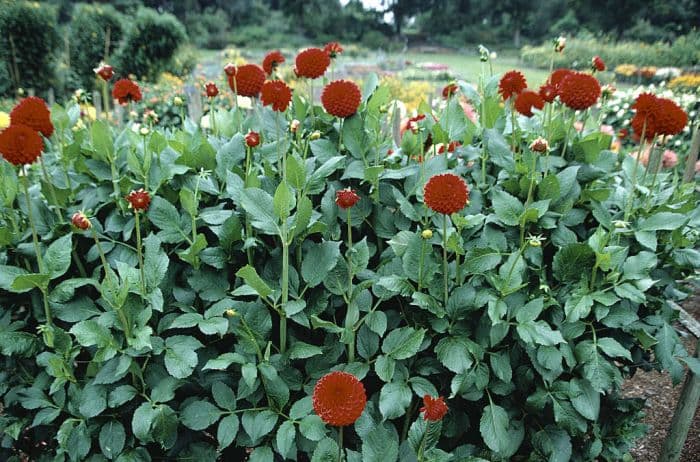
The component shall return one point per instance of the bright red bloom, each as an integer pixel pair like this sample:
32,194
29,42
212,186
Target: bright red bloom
645,103
452,145
211,89
449,90
312,63
446,193
252,139
247,80
277,94
434,409
230,69
341,98
526,101
104,71
579,91
512,83
670,118
556,78
333,49
139,200
346,198
126,90
271,61
339,399
20,145
548,92
80,221
33,113
598,64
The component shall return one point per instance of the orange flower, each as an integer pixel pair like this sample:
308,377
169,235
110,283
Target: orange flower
512,83
312,63
341,98
434,409
333,49
446,193
346,198
598,64
20,145
277,94
526,101
339,398
271,61
126,90
449,90
33,113
139,200
247,80
579,91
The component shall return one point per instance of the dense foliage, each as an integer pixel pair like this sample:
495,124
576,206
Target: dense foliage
193,320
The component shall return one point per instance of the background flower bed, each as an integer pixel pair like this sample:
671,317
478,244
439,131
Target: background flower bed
553,296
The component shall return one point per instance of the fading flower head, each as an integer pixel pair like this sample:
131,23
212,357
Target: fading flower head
271,61
80,221
434,409
512,83
125,91
139,200
346,198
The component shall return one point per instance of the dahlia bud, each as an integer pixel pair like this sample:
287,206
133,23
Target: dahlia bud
252,139
230,69
346,198
231,313
104,71
620,224
294,126
178,101
211,89
333,49
483,54
535,241
559,44
607,90
139,200
315,135
427,234
539,145
597,64
144,131
80,221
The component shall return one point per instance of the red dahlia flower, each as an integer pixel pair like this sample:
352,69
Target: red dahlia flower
346,198
333,49
230,69
211,89
449,90
139,200
539,145
247,80
341,98
126,90
548,92
33,113
645,103
670,118
446,193
526,100
434,409
277,94
252,139
512,83
339,398
20,145
104,71
80,221
556,78
271,61
312,63
598,64
579,91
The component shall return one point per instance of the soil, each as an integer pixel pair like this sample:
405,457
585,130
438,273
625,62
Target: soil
661,398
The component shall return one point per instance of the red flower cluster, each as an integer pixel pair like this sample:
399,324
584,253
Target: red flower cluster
579,90
104,71
211,89
277,94
657,116
512,83
271,61
526,101
246,80
34,113
139,200
339,398
252,139
598,64
341,98
434,409
446,193
333,49
126,90
551,89
20,144
346,198
80,221
449,90
450,147
312,63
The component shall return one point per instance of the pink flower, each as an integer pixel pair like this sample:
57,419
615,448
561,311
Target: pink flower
469,111
607,130
643,157
669,159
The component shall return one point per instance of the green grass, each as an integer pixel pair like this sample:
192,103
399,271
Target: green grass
469,67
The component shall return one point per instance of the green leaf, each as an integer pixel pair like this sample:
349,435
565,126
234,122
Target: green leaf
250,276
554,443
584,398
286,434
227,430
500,434
57,258
224,396
572,262
326,451
102,140
480,260
261,211
403,343
380,445
26,282
283,202
530,311
500,364
319,260
302,217
302,350
112,439
508,208
663,221
258,424
578,305
155,263
454,355
296,173
313,428
539,332
89,333
199,415
165,216
187,199
385,366
394,399
181,355
612,348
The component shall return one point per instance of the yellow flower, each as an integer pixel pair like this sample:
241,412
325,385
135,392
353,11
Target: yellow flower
427,234
4,120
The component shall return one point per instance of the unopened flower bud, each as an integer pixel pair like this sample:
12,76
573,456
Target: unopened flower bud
230,313
294,126
539,145
315,135
80,221
427,234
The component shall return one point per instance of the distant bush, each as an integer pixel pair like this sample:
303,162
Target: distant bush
95,34
28,42
184,61
151,42
683,52
268,34
209,29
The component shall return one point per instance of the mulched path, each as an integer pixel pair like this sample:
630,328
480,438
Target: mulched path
661,404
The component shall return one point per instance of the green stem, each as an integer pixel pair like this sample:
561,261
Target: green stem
248,227
568,134
105,97
52,190
351,345
340,136
212,116
421,446
630,201
340,444
444,255
139,252
420,265
532,180
115,179
281,163
64,166
311,103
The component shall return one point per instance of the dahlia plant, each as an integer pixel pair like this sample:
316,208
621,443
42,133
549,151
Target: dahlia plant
305,282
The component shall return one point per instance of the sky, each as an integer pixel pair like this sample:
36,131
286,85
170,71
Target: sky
373,5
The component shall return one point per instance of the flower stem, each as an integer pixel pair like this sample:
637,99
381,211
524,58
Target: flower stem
285,291
444,255
139,252
420,265
52,190
642,145
532,180
351,345
421,446
568,134
212,116
340,444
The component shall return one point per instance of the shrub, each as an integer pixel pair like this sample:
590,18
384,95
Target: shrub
28,43
150,44
209,29
95,34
